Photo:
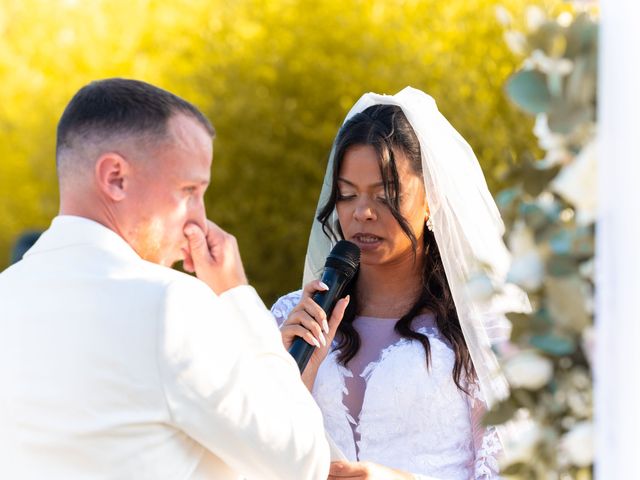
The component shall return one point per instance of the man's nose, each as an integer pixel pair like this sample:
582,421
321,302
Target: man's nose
198,214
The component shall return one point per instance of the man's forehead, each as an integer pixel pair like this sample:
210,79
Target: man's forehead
187,132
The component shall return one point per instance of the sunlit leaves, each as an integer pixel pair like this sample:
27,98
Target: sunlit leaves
276,79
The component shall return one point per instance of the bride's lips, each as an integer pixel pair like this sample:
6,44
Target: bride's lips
366,241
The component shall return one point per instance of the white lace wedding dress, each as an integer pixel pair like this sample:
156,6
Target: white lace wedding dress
406,416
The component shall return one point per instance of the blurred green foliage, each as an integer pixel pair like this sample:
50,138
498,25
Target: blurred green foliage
275,77
550,211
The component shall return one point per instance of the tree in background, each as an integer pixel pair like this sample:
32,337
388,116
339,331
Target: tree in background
276,78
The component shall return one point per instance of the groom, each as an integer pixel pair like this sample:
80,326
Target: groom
114,366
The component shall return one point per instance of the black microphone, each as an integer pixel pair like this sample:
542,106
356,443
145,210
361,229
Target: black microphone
340,267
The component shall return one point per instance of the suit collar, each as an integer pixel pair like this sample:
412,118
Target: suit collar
68,230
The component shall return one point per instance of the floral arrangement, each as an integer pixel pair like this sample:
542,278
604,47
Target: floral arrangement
549,214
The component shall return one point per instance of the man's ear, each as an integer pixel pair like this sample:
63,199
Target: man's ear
112,175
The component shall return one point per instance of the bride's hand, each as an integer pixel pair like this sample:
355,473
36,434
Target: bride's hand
365,471
308,321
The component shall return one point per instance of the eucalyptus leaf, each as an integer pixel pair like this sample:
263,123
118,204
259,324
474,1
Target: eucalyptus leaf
500,413
534,216
554,83
520,324
543,38
518,468
528,89
541,321
562,241
536,180
564,117
576,242
517,317
506,198
562,265
566,302
582,36
584,242
553,344
578,78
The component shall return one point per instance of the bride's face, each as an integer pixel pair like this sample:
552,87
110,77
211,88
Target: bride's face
363,212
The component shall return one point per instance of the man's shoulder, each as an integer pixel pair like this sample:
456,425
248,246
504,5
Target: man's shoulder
168,278
9,273
145,279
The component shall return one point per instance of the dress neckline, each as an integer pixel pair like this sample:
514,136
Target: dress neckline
424,319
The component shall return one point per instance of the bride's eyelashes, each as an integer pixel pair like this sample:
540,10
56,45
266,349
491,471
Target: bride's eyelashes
342,198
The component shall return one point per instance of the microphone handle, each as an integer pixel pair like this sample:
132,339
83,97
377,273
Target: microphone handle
336,280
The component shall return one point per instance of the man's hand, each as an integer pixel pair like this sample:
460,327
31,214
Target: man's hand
214,257
343,470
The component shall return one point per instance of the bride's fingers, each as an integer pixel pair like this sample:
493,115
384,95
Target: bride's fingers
310,308
300,331
316,312
303,318
313,287
312,325
337,315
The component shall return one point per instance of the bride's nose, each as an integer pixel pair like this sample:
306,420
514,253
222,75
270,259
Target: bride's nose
364,209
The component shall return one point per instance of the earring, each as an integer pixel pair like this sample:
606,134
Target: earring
429,224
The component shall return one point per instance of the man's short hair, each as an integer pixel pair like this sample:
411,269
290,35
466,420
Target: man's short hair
115,107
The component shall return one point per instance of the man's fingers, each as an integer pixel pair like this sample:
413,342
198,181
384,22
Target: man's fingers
198,247
187,263
344,469
214,256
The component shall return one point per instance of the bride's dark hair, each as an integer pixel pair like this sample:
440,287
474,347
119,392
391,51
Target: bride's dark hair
386,129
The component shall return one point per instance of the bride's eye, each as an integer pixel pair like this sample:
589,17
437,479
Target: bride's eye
345,196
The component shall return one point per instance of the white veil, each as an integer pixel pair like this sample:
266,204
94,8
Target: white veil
466,224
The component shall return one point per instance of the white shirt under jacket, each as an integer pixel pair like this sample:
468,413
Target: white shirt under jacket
112,367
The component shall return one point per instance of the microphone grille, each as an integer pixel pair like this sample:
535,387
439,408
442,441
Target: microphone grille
346,254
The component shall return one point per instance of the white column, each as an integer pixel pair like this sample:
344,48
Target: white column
618,244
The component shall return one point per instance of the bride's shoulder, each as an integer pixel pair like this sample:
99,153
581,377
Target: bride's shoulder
284,305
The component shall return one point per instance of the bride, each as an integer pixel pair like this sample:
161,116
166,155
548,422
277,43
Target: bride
403,370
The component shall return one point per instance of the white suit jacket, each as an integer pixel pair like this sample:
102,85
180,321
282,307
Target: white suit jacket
112,367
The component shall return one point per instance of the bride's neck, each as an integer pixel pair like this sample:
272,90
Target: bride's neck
389,290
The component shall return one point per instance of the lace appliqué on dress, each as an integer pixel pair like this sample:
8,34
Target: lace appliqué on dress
486,441
284,305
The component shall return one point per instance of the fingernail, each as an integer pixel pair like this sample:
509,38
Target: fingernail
315,342
325,326
324,286
323,341
189,231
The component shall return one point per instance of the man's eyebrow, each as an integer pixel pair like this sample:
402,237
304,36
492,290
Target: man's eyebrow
198,181
344,180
